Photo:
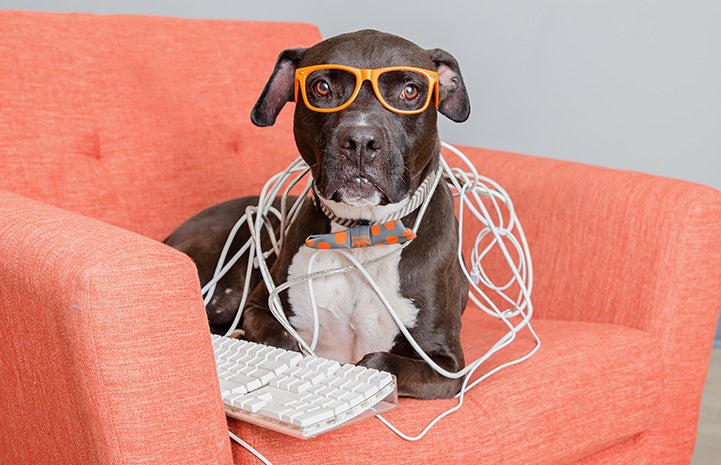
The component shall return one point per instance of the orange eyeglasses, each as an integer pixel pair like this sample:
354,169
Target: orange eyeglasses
401,89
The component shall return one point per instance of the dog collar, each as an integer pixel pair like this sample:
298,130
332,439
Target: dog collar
361,233
416,200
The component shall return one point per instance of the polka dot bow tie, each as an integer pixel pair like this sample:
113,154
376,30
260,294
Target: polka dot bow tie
363,235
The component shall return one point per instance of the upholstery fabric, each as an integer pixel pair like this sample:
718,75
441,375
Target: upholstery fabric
103,328
114,129
140,112
637,247
583,375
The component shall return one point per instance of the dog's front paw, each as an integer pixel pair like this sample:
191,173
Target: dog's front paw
379,360
281,340
237,334
261,327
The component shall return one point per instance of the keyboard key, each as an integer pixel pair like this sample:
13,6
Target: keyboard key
275,366
261,374
366,389
314,377
299,385
312,416
249,383
226,387
290,358
251,403
338,406
353,398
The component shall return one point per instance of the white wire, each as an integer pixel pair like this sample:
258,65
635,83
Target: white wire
244,296
501,231
313,303
466,372
221,268
259,212
401,327
520,276
249,448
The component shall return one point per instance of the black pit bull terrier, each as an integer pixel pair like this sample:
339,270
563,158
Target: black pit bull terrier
365,122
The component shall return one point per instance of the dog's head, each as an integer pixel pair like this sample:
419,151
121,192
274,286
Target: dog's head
365,115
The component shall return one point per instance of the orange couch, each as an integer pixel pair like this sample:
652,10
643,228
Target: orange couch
113,129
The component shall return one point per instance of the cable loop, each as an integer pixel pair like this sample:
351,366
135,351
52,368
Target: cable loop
479,197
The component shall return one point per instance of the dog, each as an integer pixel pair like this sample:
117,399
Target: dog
366,124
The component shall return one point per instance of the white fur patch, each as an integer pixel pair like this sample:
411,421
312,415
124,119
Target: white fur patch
352,320
371,213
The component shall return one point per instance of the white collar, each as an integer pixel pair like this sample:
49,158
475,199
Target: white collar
348,216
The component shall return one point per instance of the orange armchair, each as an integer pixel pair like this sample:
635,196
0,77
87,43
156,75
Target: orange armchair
114,129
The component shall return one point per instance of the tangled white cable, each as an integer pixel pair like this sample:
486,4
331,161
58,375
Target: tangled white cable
499,232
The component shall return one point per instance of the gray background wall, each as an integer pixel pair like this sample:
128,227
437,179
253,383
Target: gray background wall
632,84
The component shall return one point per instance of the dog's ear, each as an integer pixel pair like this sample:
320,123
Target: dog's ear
279,88
454,102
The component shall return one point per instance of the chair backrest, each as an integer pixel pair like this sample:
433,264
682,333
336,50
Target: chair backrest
138,121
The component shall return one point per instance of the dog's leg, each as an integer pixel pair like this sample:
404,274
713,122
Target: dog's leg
202,238
261,326
415,377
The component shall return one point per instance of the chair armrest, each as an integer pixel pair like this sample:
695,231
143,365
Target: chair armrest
626,248
614,246
106,355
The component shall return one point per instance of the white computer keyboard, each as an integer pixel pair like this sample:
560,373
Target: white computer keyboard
302,396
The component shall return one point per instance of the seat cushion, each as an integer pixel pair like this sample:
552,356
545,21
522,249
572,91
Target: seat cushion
589,386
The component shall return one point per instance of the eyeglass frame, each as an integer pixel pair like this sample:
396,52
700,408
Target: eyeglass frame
362,75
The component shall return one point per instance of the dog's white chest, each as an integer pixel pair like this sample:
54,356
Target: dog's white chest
352,320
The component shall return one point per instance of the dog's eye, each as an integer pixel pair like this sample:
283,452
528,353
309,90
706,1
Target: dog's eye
411,92
321,88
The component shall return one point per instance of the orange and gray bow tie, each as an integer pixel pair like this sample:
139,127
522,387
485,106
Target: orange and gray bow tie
363,235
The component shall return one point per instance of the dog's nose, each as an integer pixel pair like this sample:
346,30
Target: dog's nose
361,143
